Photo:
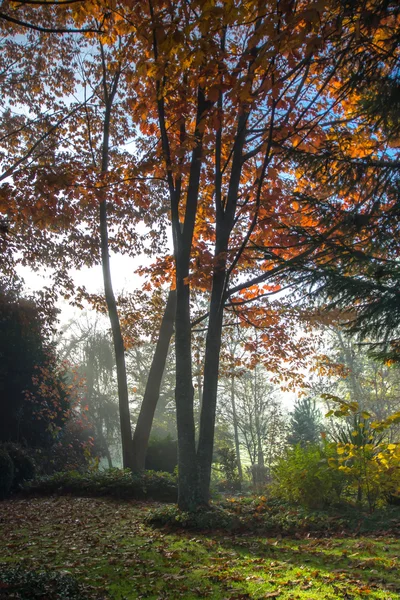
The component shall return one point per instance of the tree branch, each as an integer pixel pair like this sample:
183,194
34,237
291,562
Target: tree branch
21,23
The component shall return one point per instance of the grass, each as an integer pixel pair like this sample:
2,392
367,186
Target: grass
106,545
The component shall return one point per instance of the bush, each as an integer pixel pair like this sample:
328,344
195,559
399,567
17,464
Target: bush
228,487
74,449
118,483
24,465
371,465
35,398
162,454
373,471
271,517
159,486
6,473
206,519
303,476
19,584
227,461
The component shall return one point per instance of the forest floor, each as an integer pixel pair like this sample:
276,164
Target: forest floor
108,547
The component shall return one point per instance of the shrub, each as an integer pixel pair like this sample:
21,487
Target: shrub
227,461
6,473
74,449
162,454
303,475
226,486
371,465
272,516
373,471
24,465
159,486
119,483
26,585
206,519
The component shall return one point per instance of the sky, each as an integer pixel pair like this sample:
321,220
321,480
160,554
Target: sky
123,276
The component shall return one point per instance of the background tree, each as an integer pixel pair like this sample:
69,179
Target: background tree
346,372
88,347
35,399
361,279
305,423
75,189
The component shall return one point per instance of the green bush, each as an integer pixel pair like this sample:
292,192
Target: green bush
24,465
19,584
206,519
6,473
162,454
119,483
303,476
272,516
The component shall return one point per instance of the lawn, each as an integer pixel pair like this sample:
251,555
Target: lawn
106,545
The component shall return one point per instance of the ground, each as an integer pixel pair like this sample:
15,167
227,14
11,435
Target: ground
108,547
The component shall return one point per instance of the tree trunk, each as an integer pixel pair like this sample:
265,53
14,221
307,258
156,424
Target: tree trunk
104,443
199,381
108,456
152,392
184,396
260,451
211,368
235,428
119,349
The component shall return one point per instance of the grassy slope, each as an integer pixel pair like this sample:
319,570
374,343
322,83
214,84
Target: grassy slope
105,544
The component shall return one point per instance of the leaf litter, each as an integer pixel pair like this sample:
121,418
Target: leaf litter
106,546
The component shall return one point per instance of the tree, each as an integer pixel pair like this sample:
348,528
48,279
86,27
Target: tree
35,399
74,188
362,279
304,425
273,82
89,349
151,396
346,372
259,418
43,16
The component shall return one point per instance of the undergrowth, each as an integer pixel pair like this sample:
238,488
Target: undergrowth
117,483
259,514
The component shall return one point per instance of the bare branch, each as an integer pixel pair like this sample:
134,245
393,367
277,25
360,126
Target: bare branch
45,29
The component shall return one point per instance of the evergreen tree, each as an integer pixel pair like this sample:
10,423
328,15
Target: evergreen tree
361,278
304,423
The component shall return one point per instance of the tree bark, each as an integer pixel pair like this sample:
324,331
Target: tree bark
225,219
119,349
152,392
260,451
184,397
235,428
211,369
199,381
